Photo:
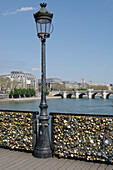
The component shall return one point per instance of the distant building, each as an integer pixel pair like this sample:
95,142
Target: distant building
83,81
25,80
51,80
70,84
91,83
110,86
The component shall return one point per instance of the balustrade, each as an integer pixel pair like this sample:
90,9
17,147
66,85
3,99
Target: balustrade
83,136
18,129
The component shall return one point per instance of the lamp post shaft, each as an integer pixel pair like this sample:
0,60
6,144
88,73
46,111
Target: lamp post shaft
42,148
43,79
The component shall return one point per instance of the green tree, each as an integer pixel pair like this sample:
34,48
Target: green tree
80,89
23,91
58,86
11,94
30,92
3,83
8,84
27,93
33,92
16,93
99,87
47,92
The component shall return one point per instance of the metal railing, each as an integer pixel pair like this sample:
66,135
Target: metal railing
82,136
18,129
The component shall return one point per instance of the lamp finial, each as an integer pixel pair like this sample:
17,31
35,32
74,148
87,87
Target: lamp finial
43,5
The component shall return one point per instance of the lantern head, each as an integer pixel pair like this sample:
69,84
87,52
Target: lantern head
43,20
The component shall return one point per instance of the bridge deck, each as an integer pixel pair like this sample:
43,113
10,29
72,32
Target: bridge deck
14,160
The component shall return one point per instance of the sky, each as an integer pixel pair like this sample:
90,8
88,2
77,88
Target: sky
81,45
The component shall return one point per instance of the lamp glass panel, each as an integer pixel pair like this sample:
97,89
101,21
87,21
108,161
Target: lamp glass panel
43,28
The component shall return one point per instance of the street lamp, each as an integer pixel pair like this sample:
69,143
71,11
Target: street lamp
44,27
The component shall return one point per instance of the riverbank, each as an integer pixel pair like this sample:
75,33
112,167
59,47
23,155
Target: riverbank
27,98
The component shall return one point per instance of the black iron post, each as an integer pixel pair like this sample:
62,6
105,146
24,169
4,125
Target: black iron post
43,20
43,148
43,103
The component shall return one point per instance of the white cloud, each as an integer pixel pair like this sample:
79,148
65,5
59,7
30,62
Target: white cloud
23,9
8,13
35,69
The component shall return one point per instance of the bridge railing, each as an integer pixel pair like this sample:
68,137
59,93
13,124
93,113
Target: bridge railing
82,136
18,129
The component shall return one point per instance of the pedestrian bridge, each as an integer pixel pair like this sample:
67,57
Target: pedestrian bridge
91,94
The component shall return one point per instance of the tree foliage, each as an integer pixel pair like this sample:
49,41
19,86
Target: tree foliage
99,87
47,92
80,89
6,83
58,86
3,83
22,93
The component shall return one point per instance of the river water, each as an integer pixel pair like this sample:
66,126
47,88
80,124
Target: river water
85,105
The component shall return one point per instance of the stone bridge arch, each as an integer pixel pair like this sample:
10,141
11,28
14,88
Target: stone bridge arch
69,95
81,95
59,95
94,94
107,96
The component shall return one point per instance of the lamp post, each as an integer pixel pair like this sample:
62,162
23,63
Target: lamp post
44,27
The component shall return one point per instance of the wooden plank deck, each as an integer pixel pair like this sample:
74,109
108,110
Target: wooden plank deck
14,160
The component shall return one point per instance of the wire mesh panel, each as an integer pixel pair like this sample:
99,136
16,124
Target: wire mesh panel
83,136
18,130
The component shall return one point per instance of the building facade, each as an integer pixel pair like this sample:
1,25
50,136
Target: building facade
27,80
